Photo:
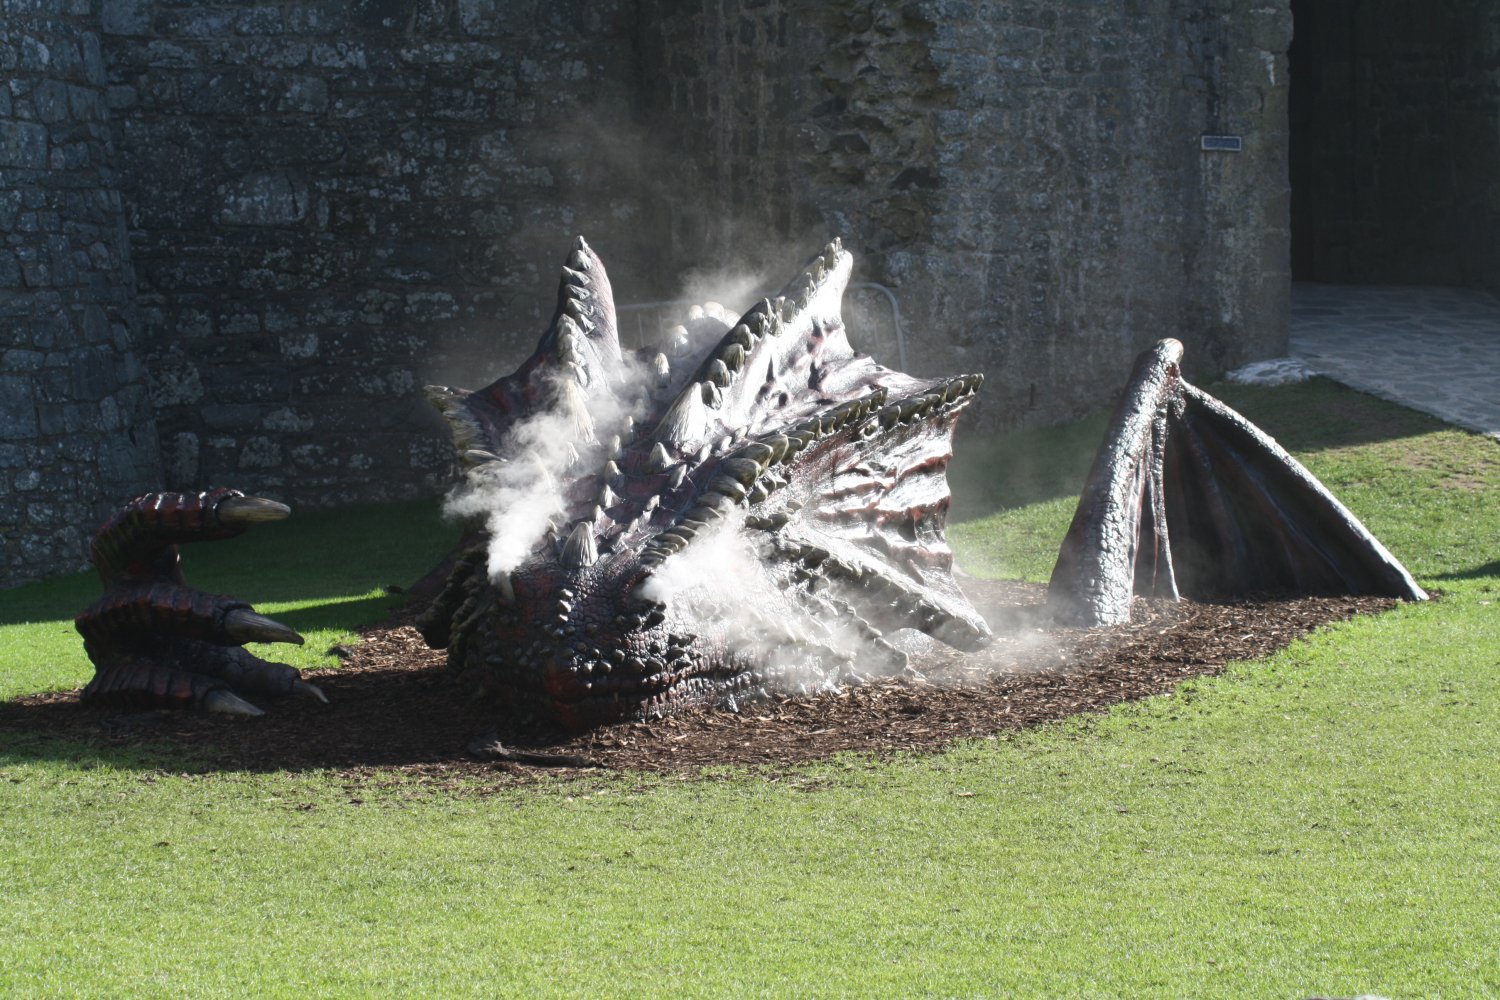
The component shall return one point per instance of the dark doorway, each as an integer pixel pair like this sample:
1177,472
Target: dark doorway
1394,153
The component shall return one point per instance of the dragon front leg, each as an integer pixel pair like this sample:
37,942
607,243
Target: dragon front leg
153,639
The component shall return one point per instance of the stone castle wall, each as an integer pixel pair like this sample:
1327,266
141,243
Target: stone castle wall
1027,174
330,204
77,433
336,203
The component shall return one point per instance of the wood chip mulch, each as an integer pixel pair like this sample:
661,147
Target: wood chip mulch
393,705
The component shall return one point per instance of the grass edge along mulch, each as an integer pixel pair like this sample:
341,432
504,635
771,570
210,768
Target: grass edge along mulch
395,708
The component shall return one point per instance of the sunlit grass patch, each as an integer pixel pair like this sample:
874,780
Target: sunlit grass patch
1321,823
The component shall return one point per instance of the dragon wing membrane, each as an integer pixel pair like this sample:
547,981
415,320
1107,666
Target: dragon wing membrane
1187,497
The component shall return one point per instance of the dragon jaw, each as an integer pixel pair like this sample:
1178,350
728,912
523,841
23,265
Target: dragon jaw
751,520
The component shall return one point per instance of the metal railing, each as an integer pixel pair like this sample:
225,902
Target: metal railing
651,319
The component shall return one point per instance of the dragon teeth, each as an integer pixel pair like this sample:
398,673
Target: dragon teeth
742,470
759,452
777,444
727,486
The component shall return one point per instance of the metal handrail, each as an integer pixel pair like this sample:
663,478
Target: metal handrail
895,317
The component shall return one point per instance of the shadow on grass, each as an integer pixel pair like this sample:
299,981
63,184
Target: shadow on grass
994,472
342,616
1477,573
375,718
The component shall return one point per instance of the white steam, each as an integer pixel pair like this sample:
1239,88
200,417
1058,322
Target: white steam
521,496
723,576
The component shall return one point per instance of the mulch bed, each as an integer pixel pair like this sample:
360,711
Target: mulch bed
393,706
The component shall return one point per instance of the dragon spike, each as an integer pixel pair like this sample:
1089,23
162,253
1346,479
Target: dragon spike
659,459
686,423
586,309
574,406
579,549
541,469
740,335
581,259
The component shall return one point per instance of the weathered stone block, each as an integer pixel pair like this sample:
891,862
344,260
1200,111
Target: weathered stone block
260,453
126,17
23,144
18,417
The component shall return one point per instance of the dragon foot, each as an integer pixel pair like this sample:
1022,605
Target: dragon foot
153,639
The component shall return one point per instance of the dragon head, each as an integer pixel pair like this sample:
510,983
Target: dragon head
747,510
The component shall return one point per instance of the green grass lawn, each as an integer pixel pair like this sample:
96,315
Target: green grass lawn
1320,823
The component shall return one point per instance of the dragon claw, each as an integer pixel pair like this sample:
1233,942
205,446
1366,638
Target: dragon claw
245,625
154,639
225,702
242,512
306,690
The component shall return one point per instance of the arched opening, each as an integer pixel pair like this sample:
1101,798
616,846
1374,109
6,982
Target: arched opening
1395,142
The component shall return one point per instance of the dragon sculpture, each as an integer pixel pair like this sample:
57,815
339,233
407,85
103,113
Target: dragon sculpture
753,509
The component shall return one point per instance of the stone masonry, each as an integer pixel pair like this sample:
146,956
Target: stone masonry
329,204
77,432
1026,173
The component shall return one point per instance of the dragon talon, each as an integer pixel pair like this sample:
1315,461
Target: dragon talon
242,512
244,625
306,690
222,701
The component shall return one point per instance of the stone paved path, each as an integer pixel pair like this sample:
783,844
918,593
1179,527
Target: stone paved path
1432,349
